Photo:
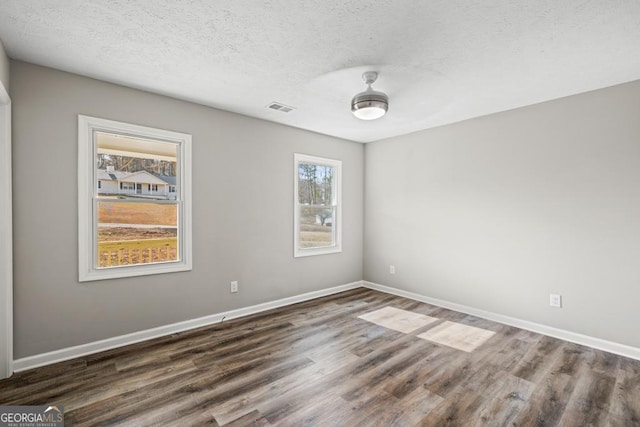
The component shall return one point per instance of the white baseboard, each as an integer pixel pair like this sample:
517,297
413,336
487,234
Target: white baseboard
43,359
600,344
61,355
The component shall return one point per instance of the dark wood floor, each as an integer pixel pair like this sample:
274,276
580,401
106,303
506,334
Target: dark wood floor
316,363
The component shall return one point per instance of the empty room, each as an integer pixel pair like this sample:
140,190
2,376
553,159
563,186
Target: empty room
319,213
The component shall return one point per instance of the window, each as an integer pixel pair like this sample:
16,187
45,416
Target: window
129,228
317,205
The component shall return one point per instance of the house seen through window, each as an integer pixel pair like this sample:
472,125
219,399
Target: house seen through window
137,217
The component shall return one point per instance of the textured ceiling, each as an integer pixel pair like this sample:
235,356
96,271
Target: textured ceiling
440,61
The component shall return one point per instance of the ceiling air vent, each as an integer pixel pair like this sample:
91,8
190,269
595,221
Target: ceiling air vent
280,107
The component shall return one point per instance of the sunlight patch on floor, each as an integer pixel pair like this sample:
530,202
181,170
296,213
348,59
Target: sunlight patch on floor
458,336
397,319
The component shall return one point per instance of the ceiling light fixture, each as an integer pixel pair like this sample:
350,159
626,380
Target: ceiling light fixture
370,104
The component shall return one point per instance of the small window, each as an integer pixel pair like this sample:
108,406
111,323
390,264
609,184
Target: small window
129,228
317,205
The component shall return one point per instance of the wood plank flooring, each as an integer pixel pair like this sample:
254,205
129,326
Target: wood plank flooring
317,364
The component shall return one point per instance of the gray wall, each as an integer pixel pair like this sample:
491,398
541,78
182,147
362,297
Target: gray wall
497,212
4,67
242,214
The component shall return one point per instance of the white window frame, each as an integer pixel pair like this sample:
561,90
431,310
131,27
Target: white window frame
87,194
337,203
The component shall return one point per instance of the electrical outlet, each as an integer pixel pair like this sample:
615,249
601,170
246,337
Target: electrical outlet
392,269
234,286
555,300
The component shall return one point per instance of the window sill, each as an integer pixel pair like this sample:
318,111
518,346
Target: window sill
133,270
299,253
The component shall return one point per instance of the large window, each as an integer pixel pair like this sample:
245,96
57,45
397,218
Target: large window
130,222
317,205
